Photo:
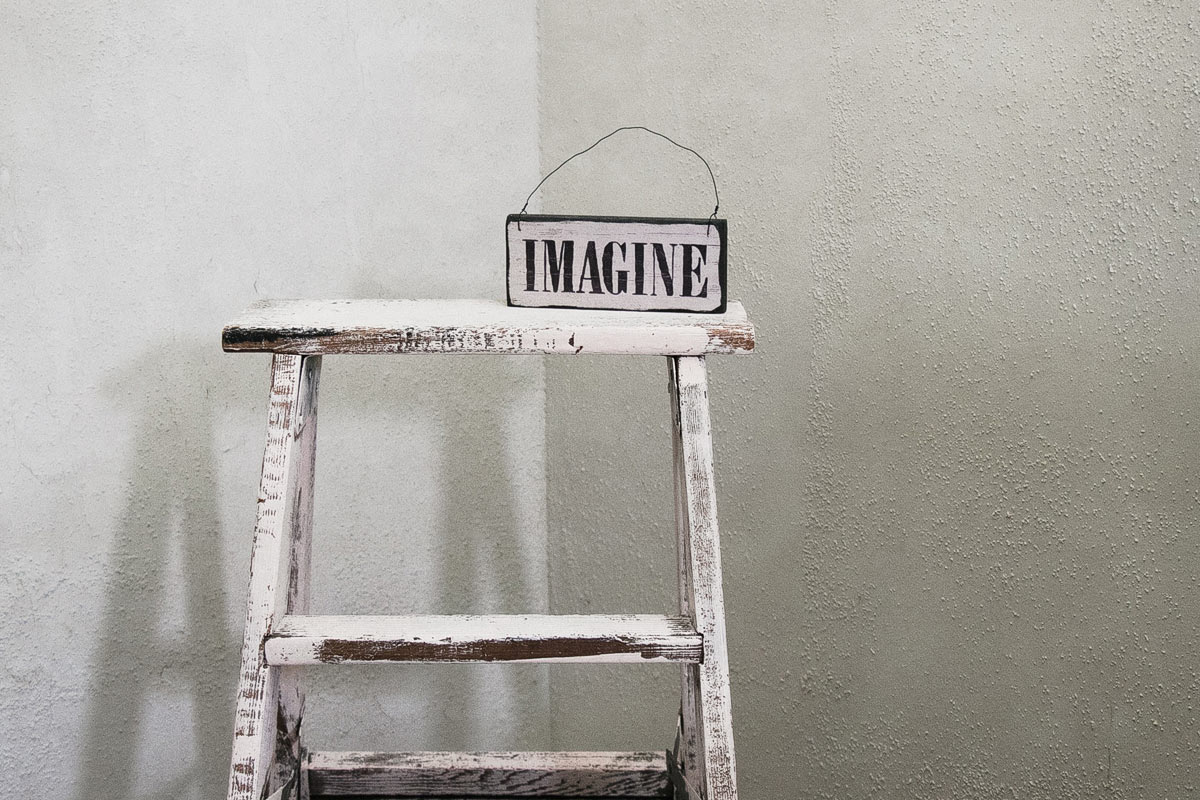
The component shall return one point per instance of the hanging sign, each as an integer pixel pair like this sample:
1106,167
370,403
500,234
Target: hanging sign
617,263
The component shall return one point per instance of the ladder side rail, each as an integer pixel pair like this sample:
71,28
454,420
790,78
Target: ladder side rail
281,489
686,752
289,750
704,554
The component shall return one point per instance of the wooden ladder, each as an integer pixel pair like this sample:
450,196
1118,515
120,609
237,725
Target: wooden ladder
269,759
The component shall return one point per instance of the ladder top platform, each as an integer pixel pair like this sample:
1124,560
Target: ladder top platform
312,327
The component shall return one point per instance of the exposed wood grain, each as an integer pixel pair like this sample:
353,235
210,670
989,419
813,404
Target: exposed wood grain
547,774
256,717
685,788
281,636
291,687
685,754
479,326
629,638
716,720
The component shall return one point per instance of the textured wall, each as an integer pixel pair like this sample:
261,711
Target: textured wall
160,167
958,515
957,482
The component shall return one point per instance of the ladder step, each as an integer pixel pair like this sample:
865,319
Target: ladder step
312,327
628,775
629,638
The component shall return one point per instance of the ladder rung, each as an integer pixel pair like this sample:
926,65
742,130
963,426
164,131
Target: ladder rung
630,638
628,775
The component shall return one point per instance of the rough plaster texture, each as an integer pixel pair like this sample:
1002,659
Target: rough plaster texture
160,168
957,482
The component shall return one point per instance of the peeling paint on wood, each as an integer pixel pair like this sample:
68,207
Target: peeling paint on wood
627,638
685,755
684,787
706,685
281,636
266,732
479,326
533,774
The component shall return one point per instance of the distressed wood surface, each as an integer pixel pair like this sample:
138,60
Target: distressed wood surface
256,718
619,263
628,638
281,636
683,786
685,754
546,774
704,556
287,773
479,326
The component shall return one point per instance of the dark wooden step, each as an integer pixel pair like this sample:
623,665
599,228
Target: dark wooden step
484,775
605,638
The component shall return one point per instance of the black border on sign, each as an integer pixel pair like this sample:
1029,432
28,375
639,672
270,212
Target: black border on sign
719,224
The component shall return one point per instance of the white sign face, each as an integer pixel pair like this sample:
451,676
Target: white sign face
616,263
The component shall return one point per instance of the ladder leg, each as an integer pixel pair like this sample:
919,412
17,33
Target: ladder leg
266,743
289,749
687,765
704,748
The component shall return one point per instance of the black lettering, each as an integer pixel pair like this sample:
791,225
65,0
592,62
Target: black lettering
622,274
639,267
665,270
530,267
558,263
589,260
689,270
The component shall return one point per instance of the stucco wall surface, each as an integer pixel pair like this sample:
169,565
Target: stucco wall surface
161,167
957,482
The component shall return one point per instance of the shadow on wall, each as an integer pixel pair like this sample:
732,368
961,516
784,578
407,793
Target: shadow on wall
429,500
429,494
162,630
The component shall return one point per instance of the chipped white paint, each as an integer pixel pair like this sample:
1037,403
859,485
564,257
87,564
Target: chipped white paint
284,507
479,326
530,774
286,769
281,636
706,686
595,638
686,753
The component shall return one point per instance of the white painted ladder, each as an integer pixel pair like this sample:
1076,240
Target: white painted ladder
269,760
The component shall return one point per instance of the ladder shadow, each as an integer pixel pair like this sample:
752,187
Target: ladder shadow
163,655
452,464
469,484
159,713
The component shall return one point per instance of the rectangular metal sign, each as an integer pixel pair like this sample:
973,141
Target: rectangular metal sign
616,263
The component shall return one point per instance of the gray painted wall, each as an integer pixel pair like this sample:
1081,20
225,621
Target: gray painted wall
958,515
957,482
